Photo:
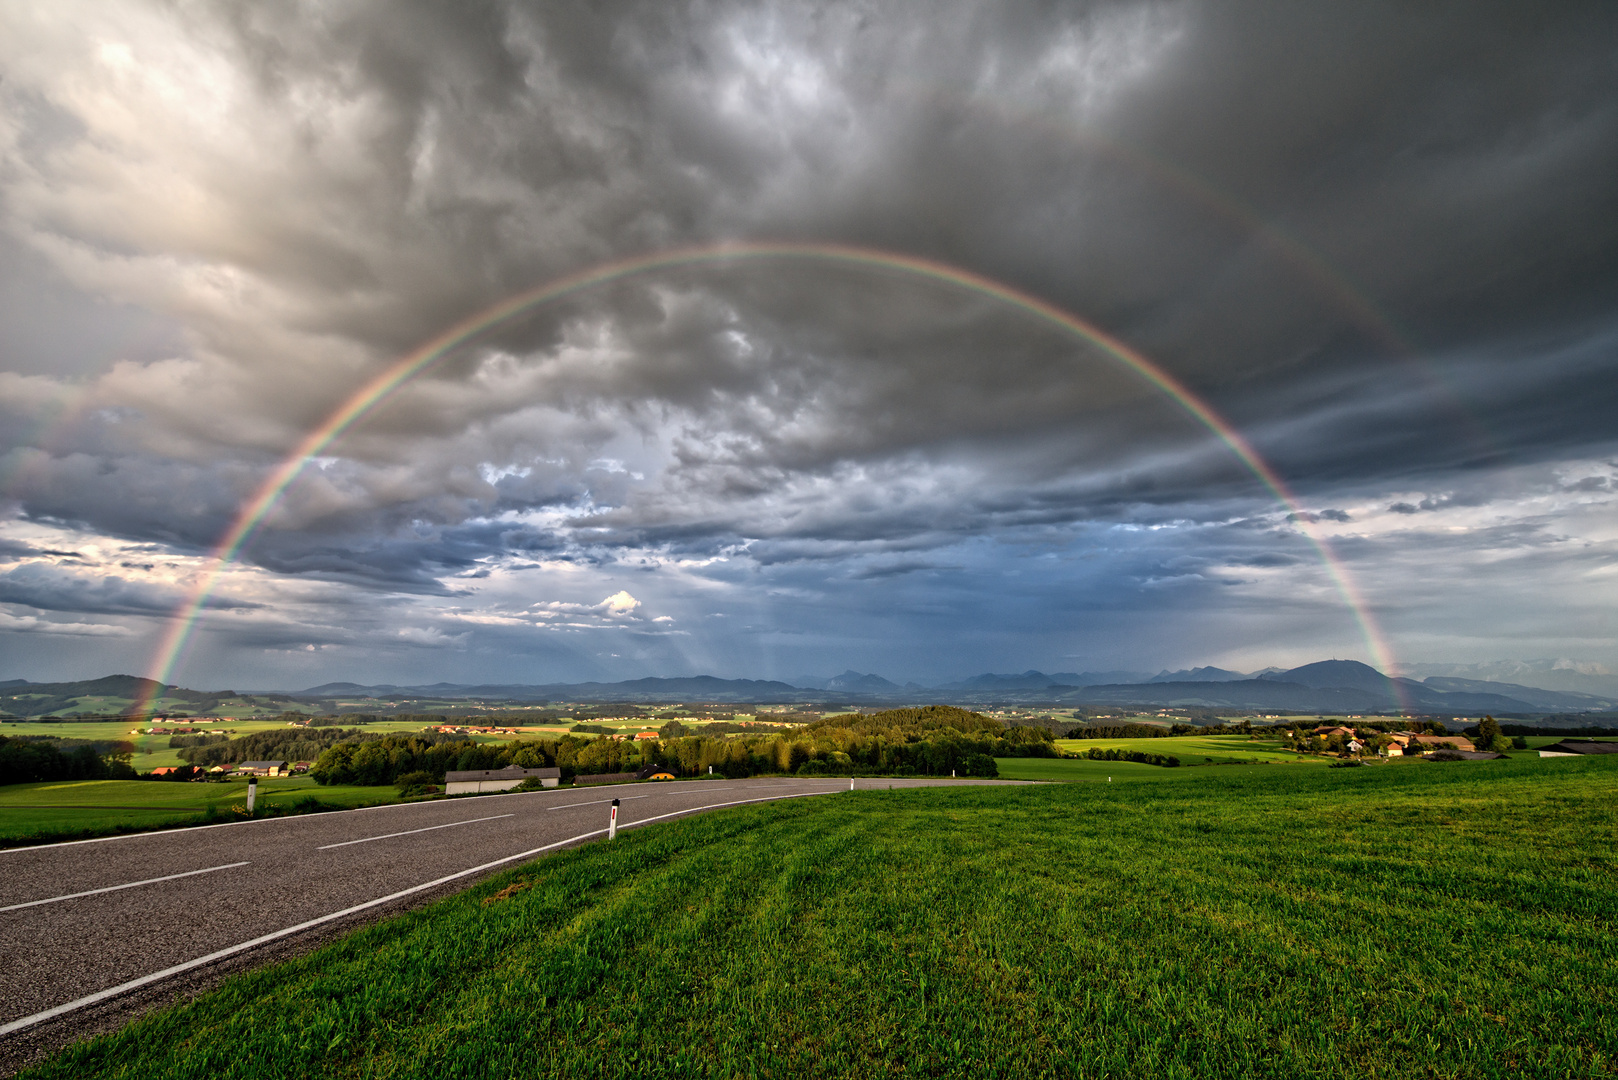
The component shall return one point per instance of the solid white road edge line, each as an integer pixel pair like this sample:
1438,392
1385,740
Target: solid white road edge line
115,888
412,832
232,950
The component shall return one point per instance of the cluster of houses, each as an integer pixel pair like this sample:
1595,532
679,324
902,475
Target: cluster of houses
179,730
1399,744
1409,744
247,768
466,729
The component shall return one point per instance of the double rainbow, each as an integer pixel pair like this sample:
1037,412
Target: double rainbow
184,621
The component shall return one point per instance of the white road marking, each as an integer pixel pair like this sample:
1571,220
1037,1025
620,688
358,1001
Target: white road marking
595,802
410,832
275,935
715,806
115,888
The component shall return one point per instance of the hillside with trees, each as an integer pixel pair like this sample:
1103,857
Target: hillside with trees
932,741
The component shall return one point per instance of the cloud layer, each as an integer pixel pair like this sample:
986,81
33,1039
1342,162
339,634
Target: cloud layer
1379,239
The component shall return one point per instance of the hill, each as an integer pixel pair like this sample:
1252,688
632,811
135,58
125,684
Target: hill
112,694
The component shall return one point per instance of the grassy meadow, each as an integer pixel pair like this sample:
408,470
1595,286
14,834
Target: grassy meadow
69,810
1194,749
1430,920
1069,771
153,751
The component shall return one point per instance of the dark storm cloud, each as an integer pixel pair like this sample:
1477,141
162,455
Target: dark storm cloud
53,588
1383,239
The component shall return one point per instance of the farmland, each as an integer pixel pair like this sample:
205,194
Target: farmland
1408,920
153,751
1069,771
75,808
1193,749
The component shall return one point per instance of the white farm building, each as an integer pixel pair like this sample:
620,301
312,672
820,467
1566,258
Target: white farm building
473,781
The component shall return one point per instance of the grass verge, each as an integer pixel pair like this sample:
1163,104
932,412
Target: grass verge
1440,920
78,809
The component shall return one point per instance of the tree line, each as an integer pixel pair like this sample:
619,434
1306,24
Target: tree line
279,744
1095,753
28,759
931,741
1118,731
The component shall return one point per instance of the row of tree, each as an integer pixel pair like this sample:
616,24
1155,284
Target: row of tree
284,744
1118,731
932,741
1095,753
27,759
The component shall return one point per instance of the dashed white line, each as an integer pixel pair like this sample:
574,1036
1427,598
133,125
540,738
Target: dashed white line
594,802
411,832
115,888
231,950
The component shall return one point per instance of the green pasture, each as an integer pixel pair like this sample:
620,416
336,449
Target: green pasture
153,752
70,809
1444,920
1196,749
1070,771
102,704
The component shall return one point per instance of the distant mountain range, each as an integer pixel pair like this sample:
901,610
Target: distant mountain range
1329,686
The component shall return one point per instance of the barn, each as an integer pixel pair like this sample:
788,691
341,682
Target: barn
1578,748
473,781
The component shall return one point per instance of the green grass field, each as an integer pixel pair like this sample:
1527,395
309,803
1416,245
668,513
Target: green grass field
152,751
30,705
1069,771
1195,749
1444,920
70,809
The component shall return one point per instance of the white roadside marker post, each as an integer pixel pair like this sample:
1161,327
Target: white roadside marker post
612,822
252,792
851,783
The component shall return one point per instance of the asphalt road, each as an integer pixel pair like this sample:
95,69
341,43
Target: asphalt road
95,932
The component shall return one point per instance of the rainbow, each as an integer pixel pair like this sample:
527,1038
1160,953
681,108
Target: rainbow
180,626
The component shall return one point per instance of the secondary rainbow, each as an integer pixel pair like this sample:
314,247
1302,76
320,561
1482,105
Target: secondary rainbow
180,626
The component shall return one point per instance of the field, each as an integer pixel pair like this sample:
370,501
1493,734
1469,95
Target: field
1195,749
75,808
31,704
152,751
1445,920
1068,771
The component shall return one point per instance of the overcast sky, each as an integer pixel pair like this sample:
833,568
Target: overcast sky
1380,239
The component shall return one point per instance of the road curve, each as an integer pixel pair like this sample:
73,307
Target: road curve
96,932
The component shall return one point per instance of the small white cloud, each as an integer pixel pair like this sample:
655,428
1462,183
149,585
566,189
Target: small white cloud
619,603
664,618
